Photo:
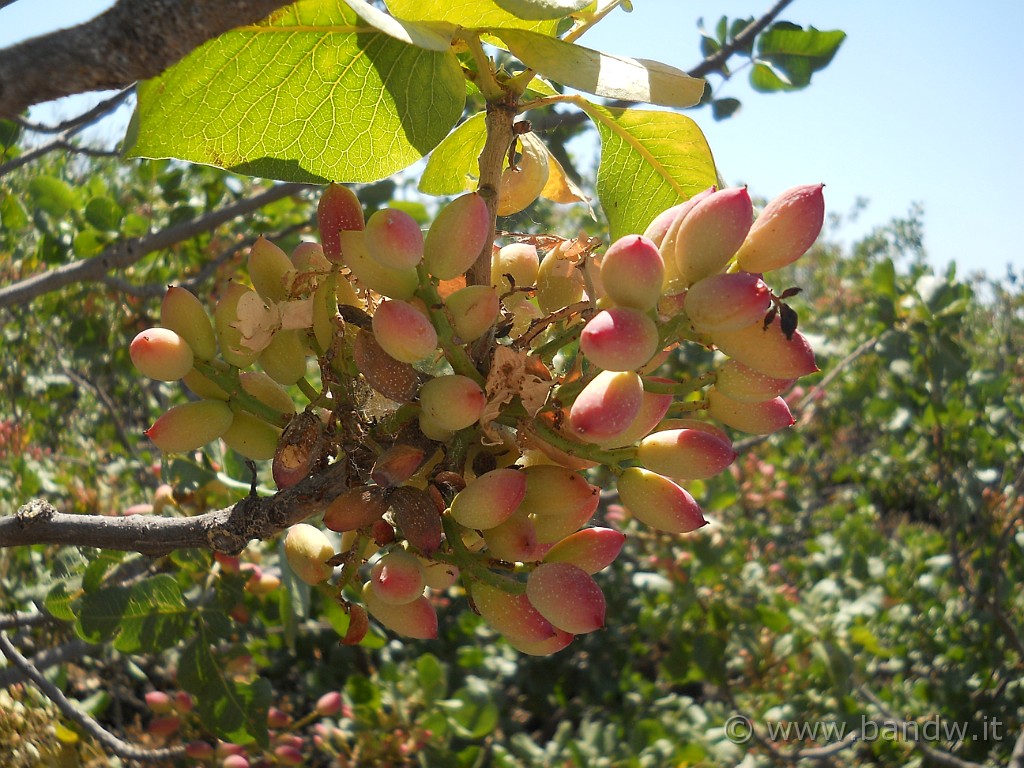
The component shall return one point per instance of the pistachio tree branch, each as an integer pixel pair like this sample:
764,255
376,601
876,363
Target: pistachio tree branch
119,747
126,252
134,40
227,530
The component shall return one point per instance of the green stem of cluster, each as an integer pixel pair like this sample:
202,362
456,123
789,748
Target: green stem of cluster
471,564
455,354
678,329
680,388
550,348
686,408
393,422
309,390
611,457
228,381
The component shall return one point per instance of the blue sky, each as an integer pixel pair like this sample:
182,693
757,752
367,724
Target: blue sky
923,104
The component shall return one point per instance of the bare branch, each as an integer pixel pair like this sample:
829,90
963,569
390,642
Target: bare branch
45,659
193,281
117,746
23,619
134,40
127,252
226,530
88,117
937,756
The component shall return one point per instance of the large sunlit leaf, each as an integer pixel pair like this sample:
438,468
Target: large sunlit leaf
471,14
312,94
788,55
412,33
614,77
453,166
234,711
650,161
542,9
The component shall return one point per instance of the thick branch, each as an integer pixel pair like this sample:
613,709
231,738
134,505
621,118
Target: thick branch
134,40
127,252
226,530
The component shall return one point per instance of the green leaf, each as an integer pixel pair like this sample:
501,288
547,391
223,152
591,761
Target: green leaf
147,617
13,215
474,713
613,77
542,9
88,243
431,677
650,161
58,602
312,94
471,14
723,109
452,167
788,55
104,213
10,132
99,567
52,195
232,710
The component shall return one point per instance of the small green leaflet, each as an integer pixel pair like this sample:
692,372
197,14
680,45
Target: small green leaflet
453,166
650,161
312,94
614,77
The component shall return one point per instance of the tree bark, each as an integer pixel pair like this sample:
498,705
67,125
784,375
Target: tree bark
134,40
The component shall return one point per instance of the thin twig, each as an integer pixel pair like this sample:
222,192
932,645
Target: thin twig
86,118
23,619
117,746
935,755
717,60
127,252
45,659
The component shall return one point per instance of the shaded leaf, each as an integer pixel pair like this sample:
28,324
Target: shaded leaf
311,94
614,77
788,55
650,161
52,195
104,213
722,109
232,710
146,617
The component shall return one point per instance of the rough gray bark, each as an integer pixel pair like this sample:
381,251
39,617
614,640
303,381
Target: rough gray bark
134,40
